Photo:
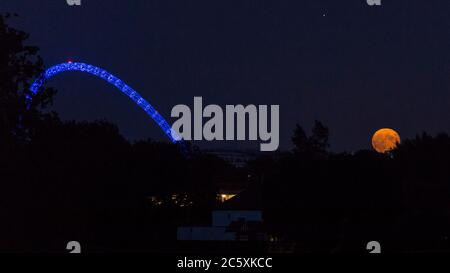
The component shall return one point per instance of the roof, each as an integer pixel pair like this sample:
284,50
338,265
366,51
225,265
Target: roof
248,199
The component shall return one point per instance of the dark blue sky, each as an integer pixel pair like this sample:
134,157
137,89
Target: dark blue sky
358,68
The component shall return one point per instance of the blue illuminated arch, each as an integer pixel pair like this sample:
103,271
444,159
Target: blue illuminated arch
127,90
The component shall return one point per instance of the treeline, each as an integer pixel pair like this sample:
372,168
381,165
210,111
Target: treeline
329,202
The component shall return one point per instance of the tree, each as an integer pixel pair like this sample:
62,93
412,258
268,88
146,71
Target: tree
299,139
314,145
319,138
19,65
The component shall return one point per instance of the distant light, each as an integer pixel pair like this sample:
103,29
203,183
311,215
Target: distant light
225,197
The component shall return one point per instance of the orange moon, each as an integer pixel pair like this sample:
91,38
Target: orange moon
384,140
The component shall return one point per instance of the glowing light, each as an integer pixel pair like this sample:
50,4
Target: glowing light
124,88
224,197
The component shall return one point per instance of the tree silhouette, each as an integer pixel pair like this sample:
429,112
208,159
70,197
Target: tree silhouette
300,139
319,138
315,145
19,65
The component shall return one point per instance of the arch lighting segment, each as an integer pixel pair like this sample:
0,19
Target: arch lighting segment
127,90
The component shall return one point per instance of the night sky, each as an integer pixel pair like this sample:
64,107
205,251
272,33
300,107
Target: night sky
355,67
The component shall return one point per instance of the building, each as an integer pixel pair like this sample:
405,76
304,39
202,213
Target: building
237,219
226,191
227,225
237,158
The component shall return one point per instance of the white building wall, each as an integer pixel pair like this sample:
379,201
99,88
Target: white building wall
223,218
204,234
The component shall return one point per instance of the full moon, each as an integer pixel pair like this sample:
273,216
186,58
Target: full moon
384,140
